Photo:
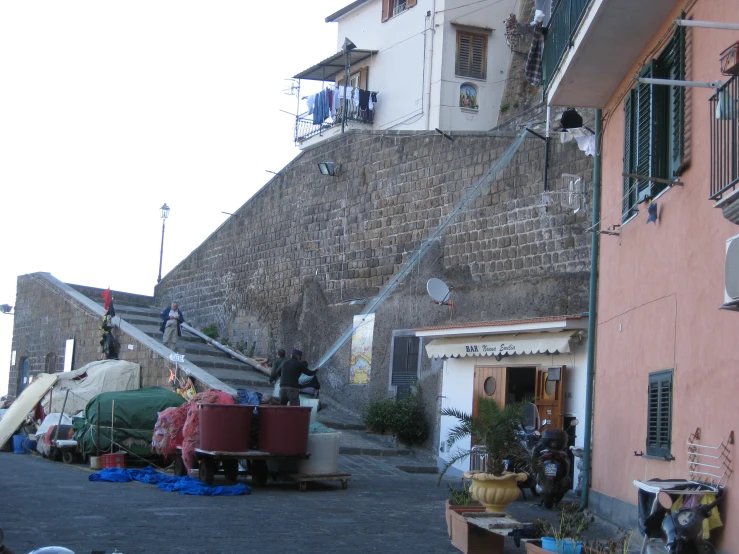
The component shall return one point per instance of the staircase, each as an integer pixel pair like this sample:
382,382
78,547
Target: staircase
140,312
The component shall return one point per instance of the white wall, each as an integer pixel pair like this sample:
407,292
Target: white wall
458,383
489,90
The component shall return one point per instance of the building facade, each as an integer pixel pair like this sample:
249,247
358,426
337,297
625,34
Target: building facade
666,365
432,64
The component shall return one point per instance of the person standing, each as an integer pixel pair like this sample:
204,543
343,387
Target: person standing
172,318
289,372
278,362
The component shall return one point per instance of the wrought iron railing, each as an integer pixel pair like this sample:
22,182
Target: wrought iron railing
725,138
563,23
305,128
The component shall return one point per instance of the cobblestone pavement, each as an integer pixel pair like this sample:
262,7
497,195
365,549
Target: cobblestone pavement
383,510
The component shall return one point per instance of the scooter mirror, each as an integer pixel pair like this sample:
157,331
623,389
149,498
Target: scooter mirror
537,434
574,422
665,500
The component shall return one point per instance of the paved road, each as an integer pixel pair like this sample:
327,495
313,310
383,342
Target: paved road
383,510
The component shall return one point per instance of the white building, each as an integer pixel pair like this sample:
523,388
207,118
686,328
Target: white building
433,64
510,361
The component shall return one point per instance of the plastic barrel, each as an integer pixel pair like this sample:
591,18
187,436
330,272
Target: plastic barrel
284,429
18,443
225,427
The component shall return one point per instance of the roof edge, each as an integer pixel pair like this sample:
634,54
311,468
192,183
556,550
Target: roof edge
345,10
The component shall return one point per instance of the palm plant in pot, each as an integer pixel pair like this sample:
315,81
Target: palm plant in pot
494,429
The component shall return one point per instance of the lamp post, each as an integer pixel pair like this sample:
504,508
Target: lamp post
164,214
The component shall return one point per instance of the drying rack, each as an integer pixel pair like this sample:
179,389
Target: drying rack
709,469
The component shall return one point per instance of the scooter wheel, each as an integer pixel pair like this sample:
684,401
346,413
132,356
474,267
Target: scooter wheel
548,500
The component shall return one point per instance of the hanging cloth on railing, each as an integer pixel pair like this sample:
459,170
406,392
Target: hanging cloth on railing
534,61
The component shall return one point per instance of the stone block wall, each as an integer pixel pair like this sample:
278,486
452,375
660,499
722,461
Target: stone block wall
45,317
307,252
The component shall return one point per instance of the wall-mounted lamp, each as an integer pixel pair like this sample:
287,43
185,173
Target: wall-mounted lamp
6,309
571,119
498,356
329,168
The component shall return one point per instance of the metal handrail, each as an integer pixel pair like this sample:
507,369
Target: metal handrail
724,114
563,25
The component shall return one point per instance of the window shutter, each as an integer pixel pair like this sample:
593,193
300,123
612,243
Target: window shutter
410,3
387,8
644,122
463,54
629,194
477,68
659,423
471,56
676,102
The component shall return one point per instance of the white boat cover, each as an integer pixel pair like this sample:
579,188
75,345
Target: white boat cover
89,381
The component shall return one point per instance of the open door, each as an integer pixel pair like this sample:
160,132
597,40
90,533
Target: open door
490,382
550,396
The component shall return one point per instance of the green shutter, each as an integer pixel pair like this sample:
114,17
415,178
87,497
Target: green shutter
674,64
659,415
629,194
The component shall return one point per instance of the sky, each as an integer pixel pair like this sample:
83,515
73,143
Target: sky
110,109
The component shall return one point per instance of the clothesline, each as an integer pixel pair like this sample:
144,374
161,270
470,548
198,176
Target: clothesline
329,103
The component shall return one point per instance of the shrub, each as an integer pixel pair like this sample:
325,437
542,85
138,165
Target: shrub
460,497
251,350
210,331
379,414
404,418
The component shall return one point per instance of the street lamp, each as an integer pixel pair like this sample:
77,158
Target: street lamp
6,309
164,214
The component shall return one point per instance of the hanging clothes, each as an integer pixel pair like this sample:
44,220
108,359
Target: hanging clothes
335,105
534,61
311,102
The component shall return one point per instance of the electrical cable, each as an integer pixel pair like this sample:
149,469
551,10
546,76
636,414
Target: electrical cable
494,2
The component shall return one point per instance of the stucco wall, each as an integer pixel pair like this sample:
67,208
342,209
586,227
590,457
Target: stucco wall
306,244
660,287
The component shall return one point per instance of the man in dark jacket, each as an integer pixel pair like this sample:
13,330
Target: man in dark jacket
289,372
278,362
172,318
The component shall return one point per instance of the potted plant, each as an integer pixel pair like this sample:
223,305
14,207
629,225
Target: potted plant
564,538
493,428
460,501
619,545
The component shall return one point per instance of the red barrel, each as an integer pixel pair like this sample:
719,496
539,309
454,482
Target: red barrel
225,427
284,429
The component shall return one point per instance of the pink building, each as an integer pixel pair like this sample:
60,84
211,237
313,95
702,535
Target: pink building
666,363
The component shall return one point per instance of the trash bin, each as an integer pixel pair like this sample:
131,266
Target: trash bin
225,427
284,429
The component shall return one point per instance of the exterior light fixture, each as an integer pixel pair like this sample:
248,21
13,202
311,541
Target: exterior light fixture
571,119
328,168
164,214
6,309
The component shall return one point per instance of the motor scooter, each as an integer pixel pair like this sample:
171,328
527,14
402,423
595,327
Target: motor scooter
553,461
528,436
681,531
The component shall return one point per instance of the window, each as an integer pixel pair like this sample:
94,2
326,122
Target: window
659,414
405,364
392,8
653,127
50,363
471,55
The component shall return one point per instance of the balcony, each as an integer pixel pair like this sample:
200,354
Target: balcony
305,128
725,138
590,46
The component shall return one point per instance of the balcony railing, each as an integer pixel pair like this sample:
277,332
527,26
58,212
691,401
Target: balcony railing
565,18
725,138
305,128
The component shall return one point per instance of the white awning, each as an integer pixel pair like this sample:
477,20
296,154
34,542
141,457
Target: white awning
494,345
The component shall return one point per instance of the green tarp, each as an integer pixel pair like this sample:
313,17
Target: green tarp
135,416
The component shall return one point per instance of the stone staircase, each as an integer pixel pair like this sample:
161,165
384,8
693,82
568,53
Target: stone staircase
139,312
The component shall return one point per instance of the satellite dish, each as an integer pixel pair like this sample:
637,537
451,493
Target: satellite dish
437,290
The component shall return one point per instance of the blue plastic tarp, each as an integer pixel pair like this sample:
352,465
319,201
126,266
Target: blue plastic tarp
247,397
183,485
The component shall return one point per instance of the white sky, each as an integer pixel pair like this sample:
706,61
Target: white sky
108,110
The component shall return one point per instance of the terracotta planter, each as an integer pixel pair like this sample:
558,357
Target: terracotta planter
470,539
495,492
459,509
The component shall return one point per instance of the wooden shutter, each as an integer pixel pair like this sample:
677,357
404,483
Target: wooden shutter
629,193
471,55
405,364
659,417
645,122
387,9
674,64
410,3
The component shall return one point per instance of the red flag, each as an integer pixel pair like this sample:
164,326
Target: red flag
106,297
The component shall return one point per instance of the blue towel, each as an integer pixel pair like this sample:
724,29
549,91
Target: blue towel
183,485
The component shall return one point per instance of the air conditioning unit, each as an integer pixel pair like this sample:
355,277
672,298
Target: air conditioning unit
731,272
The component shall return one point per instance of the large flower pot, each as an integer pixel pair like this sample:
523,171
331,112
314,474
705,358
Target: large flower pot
493,491
547,545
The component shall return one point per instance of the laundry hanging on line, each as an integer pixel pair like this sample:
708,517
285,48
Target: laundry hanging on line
329,103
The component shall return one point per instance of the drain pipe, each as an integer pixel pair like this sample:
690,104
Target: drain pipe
592,316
